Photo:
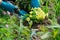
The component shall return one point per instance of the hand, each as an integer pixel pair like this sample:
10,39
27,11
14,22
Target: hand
0,1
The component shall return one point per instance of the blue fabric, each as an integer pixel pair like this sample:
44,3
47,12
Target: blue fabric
22,12
35,3
7,6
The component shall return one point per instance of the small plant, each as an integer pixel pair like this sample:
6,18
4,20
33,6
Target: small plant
36,15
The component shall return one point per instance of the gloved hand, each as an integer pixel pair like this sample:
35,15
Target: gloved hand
7,6
10,7
35,3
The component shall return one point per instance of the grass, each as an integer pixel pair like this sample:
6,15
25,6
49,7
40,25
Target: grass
12,28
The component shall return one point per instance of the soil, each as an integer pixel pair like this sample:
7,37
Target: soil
58,20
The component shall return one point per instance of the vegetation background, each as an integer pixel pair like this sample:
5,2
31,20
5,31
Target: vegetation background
13,28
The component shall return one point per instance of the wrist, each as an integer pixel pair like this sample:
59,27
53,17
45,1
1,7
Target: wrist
0,1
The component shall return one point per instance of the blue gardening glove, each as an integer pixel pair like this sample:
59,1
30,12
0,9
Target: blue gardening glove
35,3
8,6
22,12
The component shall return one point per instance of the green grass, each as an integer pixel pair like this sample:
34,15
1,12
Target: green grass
16,29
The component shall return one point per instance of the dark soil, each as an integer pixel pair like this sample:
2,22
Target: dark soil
58,20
